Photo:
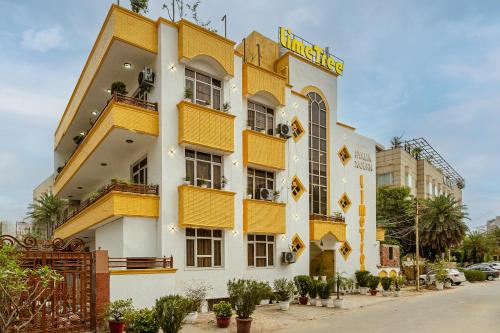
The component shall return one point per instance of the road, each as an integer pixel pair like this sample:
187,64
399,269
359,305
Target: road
464,309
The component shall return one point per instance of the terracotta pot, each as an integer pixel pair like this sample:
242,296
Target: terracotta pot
116,326
303,300
243,325
373,292
223,322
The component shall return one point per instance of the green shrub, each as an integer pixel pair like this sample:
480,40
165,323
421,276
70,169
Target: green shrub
284,289
373,281
264,291
119,87
223,310
302,282
196,293
362,278
170,312
313,289
474,275
119,309
244,296
398,282
386,283
142,321
324,290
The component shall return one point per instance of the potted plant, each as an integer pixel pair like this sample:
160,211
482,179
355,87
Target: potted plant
340,282
188,95
276,195
223,313
265,292
320,271
285,290
249,195
141,321
373,282
386,285
303,282
203,182
324,292
116,312
224,182
118,87
226,106
362,279
398,283
243,295
187,180
170,312
447,283
195,294
441,277
313,292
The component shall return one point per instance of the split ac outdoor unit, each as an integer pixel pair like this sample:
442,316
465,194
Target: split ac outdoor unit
146,79
288,257
284,130
266,194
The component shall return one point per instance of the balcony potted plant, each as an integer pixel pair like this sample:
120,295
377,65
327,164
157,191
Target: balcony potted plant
373,282
224,182
223,313
116,313
187,180
276,195
249,195
324,292
188,95
362,279
118,87
203,182
302,282
285,290
386,285
226,107
313,292
243,295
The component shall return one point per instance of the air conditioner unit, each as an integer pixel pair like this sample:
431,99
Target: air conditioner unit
284,130
266,194
288,257
146,79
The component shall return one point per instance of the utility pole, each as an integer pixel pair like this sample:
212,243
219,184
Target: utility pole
224,18
417,249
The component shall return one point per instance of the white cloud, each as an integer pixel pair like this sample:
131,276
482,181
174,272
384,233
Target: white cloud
43,40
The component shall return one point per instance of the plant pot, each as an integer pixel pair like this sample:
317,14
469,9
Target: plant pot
243,325
303,300
447,284
187,99
324,302
284,306
116,326
323,277
191,317
223,322
204,186
396,293
338,303
363,290
373,292
386,293
313,301
315,277
187,182
249,196
264,302
439,285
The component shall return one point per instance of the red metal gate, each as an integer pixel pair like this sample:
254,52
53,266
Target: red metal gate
70,305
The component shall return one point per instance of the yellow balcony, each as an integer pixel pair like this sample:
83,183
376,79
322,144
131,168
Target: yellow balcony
263,150
257,79
121,26
120,113
321,227
380,236
260,216
205,127
115,201
205,207
196,41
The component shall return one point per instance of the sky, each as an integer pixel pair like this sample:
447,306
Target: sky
413,68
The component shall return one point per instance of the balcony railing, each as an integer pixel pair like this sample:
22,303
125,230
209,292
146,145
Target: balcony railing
140,263
327,218
116,186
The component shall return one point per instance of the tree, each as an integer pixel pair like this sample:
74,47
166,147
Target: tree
183,7
396,142
396,213
477,245
24,292
442,224
139,5
46,212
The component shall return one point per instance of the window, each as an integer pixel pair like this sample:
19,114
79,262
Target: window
344,202
344,155
260,250
298,245
140,172
297,188
203,248
345,250
260,118
297,129
317,155
429,188
408,180
384,179
257,179
206,90
391,253
202,168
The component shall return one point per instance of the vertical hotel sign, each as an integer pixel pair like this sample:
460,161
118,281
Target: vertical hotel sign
311,52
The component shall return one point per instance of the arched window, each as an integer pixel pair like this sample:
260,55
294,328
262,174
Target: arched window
317,155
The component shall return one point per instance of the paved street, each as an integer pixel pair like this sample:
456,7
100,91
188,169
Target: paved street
470,308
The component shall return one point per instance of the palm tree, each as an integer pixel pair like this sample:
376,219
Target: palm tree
416,152
477,245
442,223
47,211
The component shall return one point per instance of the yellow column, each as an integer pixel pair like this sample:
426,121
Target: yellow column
362,214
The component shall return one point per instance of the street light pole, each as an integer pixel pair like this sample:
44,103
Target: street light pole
417,250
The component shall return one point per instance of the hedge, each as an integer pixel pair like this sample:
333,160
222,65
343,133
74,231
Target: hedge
473,275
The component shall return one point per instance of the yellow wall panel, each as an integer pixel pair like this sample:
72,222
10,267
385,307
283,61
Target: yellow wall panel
380,234
257,79
204,207
195,40
136,30
261,216
318,229
263,150
205,127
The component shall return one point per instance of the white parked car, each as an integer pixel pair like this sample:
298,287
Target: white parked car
455,276
494,265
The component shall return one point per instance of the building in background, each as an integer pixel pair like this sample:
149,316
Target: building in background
417,165
492,224
45,186
228,160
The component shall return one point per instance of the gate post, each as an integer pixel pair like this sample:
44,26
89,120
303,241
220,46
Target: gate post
100,292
